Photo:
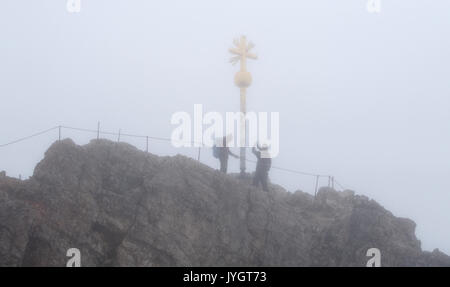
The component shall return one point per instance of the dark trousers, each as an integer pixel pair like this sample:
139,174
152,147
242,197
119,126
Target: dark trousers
223,164
261,177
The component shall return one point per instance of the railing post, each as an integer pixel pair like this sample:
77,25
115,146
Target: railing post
198,157
98,130
59,133
118,139
147,144
317,185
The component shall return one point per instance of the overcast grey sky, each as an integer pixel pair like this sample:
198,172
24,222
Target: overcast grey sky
362,96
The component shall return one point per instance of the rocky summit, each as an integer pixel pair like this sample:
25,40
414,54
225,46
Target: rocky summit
120,206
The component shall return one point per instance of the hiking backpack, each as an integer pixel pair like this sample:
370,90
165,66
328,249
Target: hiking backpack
216,151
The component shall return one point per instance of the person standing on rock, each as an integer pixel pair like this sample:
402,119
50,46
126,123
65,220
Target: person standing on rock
223,152
263,165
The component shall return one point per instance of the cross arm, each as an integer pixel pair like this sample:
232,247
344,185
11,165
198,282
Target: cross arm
252,56
235,51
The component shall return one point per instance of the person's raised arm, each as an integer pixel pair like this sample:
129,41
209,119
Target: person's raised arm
256,152
232,154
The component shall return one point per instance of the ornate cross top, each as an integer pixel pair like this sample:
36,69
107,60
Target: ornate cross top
242,52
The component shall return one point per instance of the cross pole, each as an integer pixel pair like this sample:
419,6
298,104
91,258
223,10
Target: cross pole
242,79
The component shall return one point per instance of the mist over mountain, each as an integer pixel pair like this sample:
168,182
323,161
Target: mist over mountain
124,207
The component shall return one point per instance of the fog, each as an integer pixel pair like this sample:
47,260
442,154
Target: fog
361,96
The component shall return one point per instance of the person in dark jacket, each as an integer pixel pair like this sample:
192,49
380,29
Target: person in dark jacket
263,165
224,153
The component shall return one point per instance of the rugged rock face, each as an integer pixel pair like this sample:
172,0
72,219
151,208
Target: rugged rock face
123,207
